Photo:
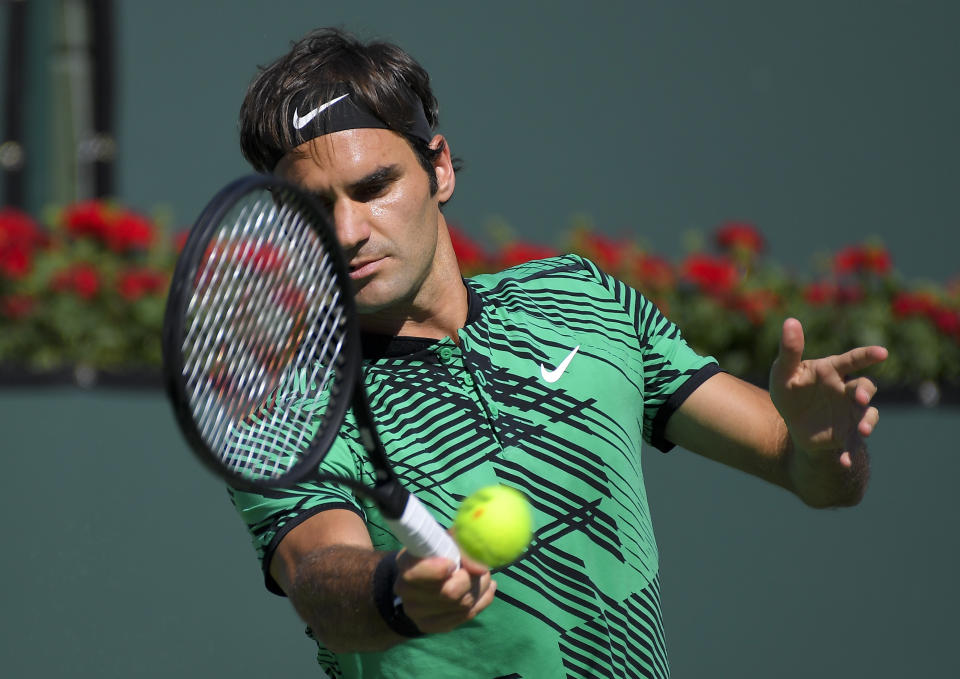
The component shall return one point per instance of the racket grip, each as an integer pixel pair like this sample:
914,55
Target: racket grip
421,534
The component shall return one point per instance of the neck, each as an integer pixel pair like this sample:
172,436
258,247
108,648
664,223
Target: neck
439,308
441,319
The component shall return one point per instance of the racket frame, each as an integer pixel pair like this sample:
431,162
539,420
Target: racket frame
175,318
406,516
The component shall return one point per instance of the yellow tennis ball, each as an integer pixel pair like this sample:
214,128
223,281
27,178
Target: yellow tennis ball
494,525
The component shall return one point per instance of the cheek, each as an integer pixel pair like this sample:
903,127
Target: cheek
406,214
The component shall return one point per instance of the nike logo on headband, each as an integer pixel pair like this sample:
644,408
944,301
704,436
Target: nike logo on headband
299,122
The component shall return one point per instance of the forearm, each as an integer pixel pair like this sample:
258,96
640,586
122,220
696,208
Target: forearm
820,477
333,592
734,423
737,424
328,568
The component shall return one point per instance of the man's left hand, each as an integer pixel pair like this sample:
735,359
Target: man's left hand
827,413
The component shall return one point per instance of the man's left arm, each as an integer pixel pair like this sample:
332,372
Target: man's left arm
806,434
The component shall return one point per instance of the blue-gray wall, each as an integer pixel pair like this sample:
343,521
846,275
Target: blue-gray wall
824,122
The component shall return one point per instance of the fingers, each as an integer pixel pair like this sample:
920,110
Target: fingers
860,390
460,599
868,422
438,597
471,566
429,569
858,359
791,350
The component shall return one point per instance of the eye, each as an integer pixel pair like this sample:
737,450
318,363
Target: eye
324,199
370,191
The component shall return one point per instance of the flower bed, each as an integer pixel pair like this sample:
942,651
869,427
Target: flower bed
83,296
87,289
730,302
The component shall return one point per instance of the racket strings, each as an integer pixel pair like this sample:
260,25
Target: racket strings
229,301
265,331
279,430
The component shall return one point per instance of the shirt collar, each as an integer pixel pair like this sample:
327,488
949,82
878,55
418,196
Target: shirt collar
374,346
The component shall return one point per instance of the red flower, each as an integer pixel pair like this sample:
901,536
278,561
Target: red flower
756,304
878,261
290,298
469,253
262,258
17,228
607,253
913,304
17,306
129,232
133,284
86,281
819,294
519,253
89,218
714,275
19,238
654,273
81,279
947,321
14,262
849,294
740,236
848,260
862,259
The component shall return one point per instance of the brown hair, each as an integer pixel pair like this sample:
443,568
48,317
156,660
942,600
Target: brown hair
382,75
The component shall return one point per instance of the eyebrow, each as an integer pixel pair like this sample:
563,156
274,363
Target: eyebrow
381,174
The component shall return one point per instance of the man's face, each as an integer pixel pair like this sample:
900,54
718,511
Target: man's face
386,220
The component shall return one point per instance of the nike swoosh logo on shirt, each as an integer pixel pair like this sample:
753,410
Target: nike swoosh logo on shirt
555,374
299,122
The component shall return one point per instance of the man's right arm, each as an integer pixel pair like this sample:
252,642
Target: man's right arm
326,566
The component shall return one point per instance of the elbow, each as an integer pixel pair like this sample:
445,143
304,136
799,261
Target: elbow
338,614
319,627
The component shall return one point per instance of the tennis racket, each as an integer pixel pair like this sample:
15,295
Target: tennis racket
261,352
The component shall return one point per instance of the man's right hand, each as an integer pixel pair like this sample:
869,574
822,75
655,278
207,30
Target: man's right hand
439,597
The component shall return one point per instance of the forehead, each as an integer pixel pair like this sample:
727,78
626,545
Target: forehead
345,156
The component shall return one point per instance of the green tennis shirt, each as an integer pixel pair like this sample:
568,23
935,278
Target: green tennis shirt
560,375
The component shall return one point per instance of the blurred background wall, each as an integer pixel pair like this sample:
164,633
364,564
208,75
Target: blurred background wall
824,123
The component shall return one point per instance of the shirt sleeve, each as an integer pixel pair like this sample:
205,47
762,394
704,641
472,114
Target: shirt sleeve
270,515
672,370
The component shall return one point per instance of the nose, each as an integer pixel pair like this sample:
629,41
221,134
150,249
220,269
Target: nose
352,224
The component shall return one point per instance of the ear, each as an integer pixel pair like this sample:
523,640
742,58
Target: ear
443,167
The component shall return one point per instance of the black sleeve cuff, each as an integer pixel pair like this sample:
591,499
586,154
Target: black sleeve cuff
671,405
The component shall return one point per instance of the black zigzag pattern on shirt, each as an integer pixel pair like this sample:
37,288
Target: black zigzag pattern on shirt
437,426
439,430
626,640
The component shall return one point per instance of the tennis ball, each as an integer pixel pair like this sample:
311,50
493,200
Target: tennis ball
494,525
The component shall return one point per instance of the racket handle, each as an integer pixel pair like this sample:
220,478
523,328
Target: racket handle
421,534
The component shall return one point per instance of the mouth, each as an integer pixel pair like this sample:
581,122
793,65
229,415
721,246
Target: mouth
363,268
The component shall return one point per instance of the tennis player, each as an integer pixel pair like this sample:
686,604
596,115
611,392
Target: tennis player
549,377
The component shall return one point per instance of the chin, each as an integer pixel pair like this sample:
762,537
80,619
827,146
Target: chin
367,302
382,294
